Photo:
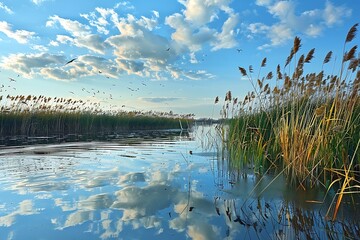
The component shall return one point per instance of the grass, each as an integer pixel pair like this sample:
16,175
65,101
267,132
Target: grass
45,116
306,126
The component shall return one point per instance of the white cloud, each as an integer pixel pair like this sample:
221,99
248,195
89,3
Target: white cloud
193,75
192,26
156,14
64,39
27,64
279,34
226,38
124,5
101,22
54,43
139,50
81,35
184,34
21,36
75,28
313,30
333,15
86,65
92,42
288,22
200,12
263,2
40,48
193,58
38,2
6,8
131,67
53,66
257,28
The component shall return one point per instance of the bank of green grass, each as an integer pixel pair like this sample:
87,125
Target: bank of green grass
306,126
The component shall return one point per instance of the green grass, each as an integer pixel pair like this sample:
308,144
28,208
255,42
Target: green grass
306,126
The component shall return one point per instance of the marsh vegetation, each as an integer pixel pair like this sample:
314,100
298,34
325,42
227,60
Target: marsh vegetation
303,125
35,116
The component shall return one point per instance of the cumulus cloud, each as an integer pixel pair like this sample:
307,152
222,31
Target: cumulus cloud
136,47
226,38
21,36
192,26
333,14
53,66
201,12
131,67
75,28
80,34
27,64
138,50
100,22
288,22
193,38
86,65
6,8
40,48
124,5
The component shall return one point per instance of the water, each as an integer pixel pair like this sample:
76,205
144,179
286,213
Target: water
173,187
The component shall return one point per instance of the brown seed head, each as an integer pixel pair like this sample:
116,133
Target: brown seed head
352,32
350,55
263,63
243,71
310,55
297,44
327,57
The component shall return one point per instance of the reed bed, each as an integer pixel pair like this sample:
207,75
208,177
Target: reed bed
46,116
306,126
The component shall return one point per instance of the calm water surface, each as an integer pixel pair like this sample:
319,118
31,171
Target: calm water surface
175,187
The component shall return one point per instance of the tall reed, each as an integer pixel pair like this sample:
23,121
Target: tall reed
45,116
302,124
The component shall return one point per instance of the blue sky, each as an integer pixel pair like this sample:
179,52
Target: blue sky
159,55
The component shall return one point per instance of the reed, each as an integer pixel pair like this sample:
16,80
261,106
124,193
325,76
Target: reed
304,125
45,116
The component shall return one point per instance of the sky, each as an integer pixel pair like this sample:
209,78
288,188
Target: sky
160,55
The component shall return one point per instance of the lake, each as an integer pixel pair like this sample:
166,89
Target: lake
176,185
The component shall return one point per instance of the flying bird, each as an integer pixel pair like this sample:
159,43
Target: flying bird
70,61
239,50
12,80
168,49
